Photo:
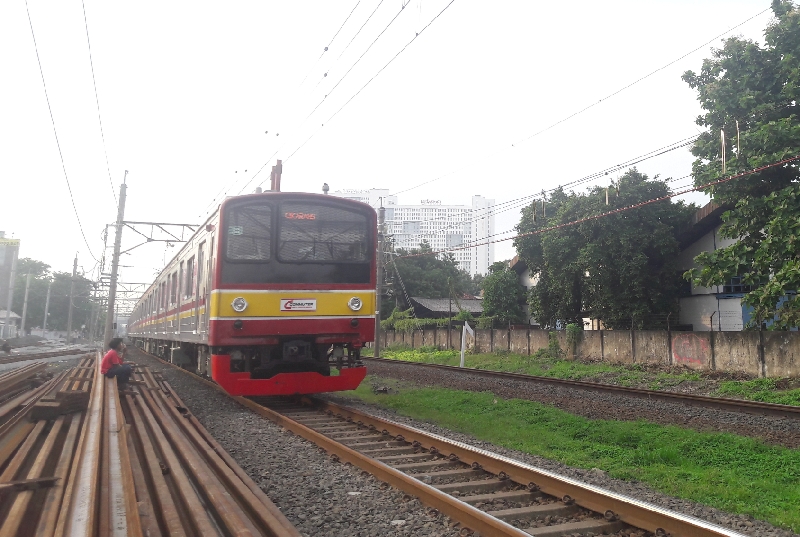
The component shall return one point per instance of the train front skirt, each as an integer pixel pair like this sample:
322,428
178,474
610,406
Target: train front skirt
283,383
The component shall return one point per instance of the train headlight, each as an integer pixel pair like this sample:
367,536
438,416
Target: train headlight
239,304
355,303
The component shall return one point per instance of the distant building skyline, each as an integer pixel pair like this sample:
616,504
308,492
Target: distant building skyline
442,226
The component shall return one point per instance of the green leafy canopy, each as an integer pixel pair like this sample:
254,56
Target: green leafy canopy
757,87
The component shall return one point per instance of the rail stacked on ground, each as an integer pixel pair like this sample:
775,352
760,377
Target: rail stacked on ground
79,458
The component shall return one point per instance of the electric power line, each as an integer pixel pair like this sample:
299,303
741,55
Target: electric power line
612,212
517,202
359,30
373,76
599,101
648,75
97,101
55,132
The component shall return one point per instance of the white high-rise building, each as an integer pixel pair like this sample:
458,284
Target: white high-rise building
442,226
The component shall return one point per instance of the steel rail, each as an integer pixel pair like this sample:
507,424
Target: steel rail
719,403
630,510
39,355
625,508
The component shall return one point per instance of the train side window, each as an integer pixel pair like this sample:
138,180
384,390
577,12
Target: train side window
200,261
181,282
189,290
174,289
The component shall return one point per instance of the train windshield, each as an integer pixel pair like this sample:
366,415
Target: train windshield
317,233
297,241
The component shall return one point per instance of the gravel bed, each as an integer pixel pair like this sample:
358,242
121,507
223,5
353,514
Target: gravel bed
598,405
741,523
320,497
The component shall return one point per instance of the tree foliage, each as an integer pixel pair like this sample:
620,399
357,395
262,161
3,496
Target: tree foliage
503,295
428,276
758,87
621,268
41,276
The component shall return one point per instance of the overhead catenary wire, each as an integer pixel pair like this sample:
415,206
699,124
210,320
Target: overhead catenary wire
371,79
642,78
592,105
55,133
347,46
97,102
611,212
330,91
517,202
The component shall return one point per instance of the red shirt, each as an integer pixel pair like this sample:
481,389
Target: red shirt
112,357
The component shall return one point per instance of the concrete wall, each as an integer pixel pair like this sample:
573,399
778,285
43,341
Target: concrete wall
781,354
501,341
519,342
736,352
591,346
651,346
617,346
692,349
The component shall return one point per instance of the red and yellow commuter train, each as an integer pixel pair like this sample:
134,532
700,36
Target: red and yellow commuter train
274,295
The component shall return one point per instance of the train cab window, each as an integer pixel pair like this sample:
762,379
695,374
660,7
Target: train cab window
249,233
311,232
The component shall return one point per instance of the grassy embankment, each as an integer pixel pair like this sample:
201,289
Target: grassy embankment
550,363
738,474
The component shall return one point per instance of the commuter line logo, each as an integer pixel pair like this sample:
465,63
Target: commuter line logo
298,304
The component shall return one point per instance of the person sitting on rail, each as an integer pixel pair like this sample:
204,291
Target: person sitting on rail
112,365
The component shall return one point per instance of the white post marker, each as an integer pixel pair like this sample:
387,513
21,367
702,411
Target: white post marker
467,328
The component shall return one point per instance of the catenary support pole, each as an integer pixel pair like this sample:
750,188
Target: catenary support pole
71,299
10,294
25,302
46,307
112,288
379,282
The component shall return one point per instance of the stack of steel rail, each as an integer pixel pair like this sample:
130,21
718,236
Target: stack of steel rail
485,492
79,457
9,359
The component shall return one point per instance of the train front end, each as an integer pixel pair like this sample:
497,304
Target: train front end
293,299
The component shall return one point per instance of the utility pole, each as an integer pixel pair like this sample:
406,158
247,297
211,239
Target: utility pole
71,298
25,301
10,297
46,307
112,288
379,282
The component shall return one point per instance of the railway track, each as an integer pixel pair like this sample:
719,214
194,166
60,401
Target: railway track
8,359
485,493
719,403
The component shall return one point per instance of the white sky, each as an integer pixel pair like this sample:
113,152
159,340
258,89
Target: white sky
188,89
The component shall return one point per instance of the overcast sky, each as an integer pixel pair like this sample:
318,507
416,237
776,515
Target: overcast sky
195,97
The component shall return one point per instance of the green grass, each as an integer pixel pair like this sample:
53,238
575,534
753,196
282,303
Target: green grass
737,474
764,390
545,363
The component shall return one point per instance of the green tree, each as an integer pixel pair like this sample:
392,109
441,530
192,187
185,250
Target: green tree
427,275
750,92
41,277
503,295
621,268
